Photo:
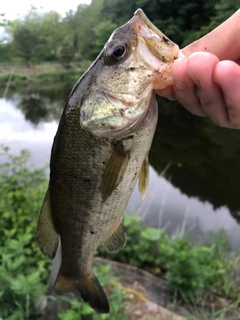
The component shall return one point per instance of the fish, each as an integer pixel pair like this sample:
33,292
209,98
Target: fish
99,153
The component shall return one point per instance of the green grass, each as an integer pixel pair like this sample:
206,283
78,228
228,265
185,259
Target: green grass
23,271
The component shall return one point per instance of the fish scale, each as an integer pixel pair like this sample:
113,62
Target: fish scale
100,151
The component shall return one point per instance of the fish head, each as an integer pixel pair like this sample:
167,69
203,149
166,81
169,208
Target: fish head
139,53
134,61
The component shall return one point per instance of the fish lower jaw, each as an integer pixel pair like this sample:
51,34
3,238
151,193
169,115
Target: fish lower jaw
163,78
123,102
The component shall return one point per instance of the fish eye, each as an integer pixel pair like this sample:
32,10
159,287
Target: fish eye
116,52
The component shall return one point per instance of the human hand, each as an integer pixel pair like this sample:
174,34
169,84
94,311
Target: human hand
208,87
207,81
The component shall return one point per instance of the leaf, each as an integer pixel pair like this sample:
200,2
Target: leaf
151,234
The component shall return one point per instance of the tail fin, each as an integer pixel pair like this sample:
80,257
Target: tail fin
87,287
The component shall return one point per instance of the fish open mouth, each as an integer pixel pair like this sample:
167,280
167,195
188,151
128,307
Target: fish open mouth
159,45
156,50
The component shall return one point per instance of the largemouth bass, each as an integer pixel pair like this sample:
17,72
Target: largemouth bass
100,151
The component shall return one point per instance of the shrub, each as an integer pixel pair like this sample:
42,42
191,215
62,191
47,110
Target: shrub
23,270
189,269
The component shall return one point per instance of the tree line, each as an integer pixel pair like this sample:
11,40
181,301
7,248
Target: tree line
81,34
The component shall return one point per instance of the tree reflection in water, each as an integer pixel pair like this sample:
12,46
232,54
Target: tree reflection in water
204,157
34,108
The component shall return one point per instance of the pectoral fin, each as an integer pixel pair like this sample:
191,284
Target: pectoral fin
143,177
114,171
117,240
46,235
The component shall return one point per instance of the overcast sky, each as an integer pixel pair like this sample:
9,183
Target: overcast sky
14,9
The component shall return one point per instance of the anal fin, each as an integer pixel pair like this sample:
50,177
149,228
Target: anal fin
143,177
117,240
46,235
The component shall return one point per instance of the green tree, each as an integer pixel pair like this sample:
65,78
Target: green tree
222,11
86,19
54,33
74,25
119,11
25,36
6,51
178,19
66,53
25,43
3,21
102,32
41,37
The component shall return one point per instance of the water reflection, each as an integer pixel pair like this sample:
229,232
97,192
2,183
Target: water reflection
18,134
203,171
204,157
34,108
41,105
165,206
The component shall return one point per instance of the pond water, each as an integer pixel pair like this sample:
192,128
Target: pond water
195,172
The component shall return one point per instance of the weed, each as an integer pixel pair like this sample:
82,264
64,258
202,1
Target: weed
23,271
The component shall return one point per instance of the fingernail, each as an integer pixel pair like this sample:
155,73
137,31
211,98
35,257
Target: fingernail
171,99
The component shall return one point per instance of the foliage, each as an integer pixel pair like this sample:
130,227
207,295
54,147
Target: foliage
190,270
3,21
102,32
220,11
40,37
25,37
23,271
